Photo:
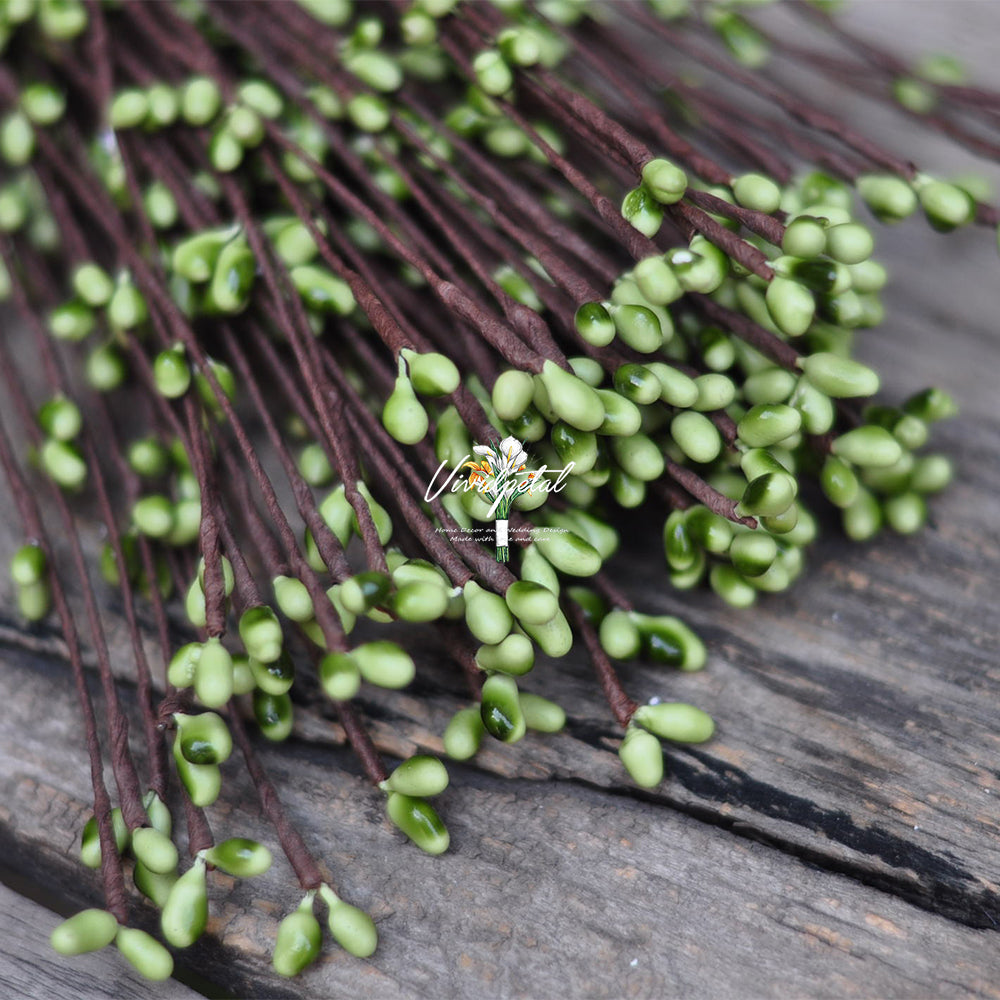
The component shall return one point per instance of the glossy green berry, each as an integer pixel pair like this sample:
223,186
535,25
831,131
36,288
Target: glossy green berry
213,675
946,206
666,639
838,482
149,958
665,181
676,721
154,887
298,942
753,552
155,850
568,552
708,530
203,738
232,278
486,614
239,857
171,372
863,518
90,844
86,931
906,513
28,565
421,776
432,374
931,473
571,398
931,405
531,602
463,734
92,285
768,495
202,782
805,237
757,192
384,663
261,633
43,103
492,73
696,436
274,714
403,416
890,198
501,709
619,635
715,392
201,100
63,461
420,601
351,927
419,821
791,305
676,388
541,714
594,324
868,446
292,597
339,676
512,394
731,586
642,210
185,912
700,267
127,308
849,243
642,756
17,139
767,424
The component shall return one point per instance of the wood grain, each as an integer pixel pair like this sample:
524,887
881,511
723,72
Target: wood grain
837,838
32,971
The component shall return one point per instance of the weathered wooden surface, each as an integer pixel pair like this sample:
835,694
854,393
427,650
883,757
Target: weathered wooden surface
838,838
32,971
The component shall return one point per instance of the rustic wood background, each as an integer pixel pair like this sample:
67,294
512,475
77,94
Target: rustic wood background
839,837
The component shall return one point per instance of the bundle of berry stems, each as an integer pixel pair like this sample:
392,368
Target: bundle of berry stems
338,316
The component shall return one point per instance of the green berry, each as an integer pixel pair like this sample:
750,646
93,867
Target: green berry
421,776
642,756
890,198
203,738
239,857
384,663
418,820
676,721
790,305
696,436
155,850
274,714
868,446
298,942
665,180
501,709
463,734
757,192
642,211
352,928
946,206
185,912
88,930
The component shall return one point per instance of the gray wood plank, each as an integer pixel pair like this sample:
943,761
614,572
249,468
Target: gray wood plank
857,738
551,889
30,969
